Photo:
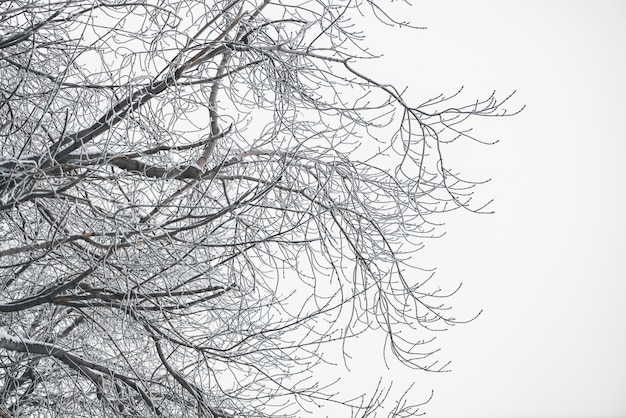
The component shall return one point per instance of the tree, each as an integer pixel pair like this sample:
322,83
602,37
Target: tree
194,202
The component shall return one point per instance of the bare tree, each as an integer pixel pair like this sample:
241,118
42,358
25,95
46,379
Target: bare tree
184,220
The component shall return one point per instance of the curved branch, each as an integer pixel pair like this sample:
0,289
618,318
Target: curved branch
75,362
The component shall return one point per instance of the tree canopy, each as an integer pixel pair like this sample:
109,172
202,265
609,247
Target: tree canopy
196,197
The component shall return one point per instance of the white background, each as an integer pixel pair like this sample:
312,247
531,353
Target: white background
549,268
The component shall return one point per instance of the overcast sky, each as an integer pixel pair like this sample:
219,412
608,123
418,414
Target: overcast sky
549,268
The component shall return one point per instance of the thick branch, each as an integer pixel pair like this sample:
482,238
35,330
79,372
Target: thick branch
120,111
12,343
45,296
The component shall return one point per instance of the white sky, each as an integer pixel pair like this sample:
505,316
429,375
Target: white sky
549,267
